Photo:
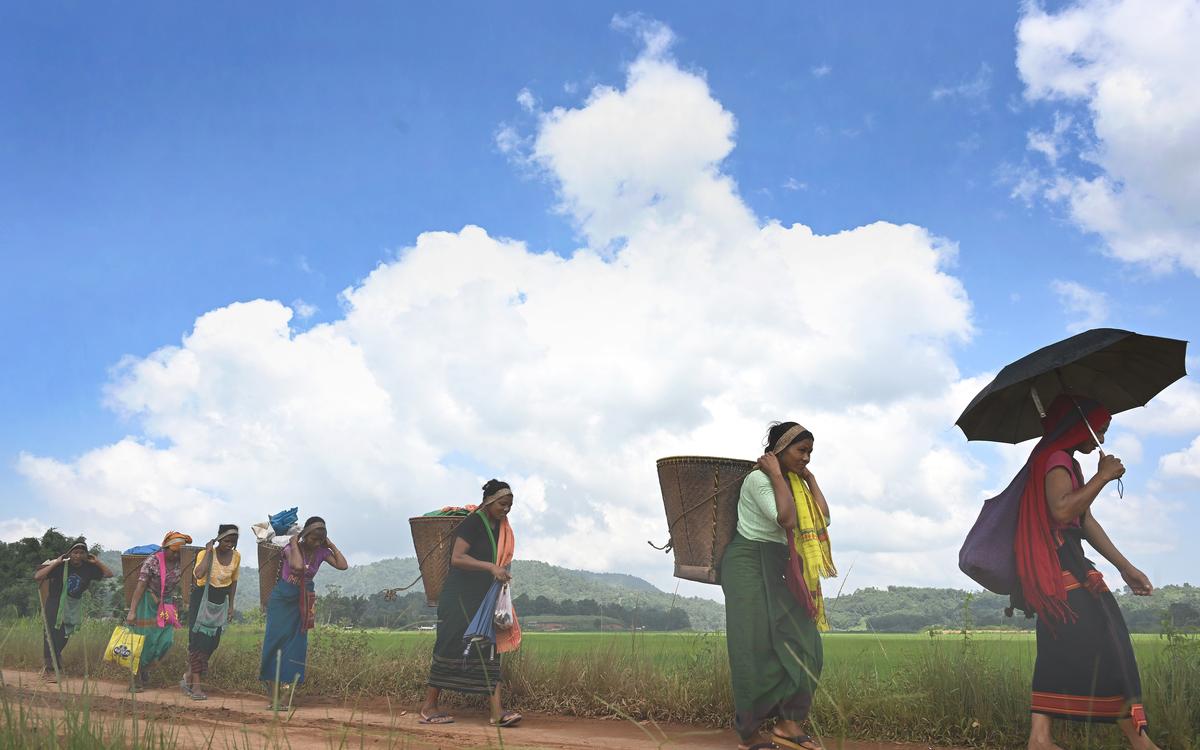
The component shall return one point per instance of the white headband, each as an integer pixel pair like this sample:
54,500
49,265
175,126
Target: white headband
496,496
786,438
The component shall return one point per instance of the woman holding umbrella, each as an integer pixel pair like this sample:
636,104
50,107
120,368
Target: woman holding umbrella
1085,669
482,553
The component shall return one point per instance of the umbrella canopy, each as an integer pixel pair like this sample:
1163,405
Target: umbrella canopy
1120,369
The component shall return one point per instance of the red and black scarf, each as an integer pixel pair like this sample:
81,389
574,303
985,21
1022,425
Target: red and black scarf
1035,544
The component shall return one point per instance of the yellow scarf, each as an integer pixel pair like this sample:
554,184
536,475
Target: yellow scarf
812,544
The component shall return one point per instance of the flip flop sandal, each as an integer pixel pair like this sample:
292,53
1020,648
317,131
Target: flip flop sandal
441,718
763,746
799,742
507,719
199,696
186,688
137,689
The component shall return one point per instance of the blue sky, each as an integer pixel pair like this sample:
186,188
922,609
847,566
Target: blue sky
164,163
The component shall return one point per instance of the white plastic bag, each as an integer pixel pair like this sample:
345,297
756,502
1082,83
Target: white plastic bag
504,609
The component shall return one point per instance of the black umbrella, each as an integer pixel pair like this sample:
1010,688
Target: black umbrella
1120,369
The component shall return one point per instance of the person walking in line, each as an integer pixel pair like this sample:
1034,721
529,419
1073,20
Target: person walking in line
770,576
292,607
211,606
67,577
1085,668
482,553
153,609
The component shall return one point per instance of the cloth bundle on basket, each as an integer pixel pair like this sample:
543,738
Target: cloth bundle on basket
284,520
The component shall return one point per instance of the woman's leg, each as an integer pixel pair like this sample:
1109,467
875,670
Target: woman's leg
52,649
494,700
1039,733
430,706
197,668
1137,740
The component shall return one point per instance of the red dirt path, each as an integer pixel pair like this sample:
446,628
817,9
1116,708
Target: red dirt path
244,721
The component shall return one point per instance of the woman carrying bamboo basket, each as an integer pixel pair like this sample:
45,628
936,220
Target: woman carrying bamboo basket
770,574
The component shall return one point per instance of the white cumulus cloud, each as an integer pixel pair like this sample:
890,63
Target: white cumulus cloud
1129,70
1086,307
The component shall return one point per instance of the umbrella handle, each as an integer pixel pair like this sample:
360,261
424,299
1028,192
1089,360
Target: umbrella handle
1086,423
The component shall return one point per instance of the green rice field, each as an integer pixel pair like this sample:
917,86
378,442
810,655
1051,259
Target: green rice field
948,689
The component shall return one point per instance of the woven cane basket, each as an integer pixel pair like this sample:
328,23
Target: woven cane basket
129,574
700,496
187,568
433,539
270,559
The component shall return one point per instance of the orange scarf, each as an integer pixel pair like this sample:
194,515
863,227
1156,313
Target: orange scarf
509,639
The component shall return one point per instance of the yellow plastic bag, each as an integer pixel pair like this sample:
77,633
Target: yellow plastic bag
125,648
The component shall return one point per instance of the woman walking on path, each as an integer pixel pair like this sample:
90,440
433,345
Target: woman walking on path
63,610
482,553
153,612
770,575
291,610
211,605
1085,668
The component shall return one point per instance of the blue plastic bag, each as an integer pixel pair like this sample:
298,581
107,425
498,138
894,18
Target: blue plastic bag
283,520
145,549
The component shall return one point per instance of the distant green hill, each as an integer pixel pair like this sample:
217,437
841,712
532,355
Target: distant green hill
530,577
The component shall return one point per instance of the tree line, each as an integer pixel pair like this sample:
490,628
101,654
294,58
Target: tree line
895,609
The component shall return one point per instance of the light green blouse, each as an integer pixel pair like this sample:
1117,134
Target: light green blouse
757,512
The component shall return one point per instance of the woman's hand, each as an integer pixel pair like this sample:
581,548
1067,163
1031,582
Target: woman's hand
501,574
769,463
1139,584
807,475
229,620
1110,468
130,618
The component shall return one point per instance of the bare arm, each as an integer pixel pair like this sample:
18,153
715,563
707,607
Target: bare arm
461,560
104,571
336,558
232,599
785,504
201,569
817,494
40,574
1098,538
1067,503
295,559
138,591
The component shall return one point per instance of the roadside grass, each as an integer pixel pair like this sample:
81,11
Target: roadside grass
946,689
